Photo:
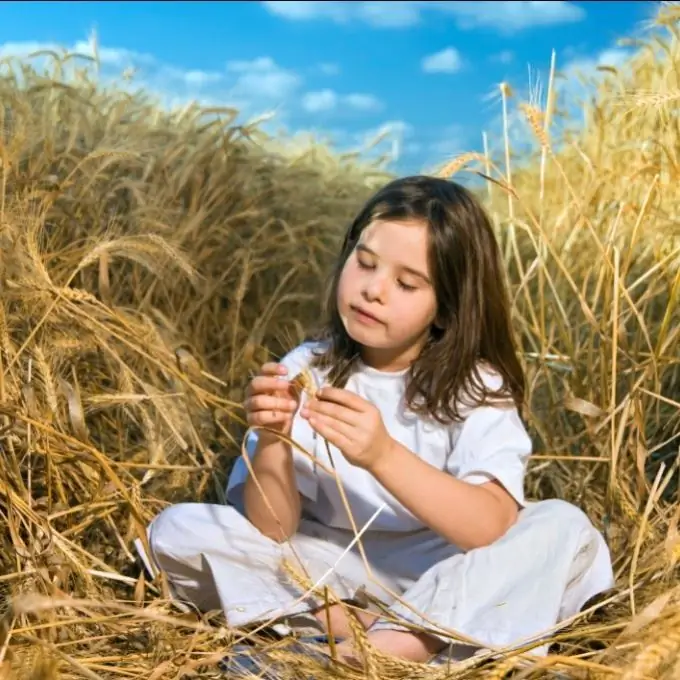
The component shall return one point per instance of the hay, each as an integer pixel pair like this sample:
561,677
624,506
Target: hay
150,261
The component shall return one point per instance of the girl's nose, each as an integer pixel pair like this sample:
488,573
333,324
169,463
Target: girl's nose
375,287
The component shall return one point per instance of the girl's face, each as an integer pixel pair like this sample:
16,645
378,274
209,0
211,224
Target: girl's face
386,297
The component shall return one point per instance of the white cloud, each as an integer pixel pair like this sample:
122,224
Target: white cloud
446,61
450,142
316,102
329,100
384,14
114,56
390,137
302,10
400,127
200,78
395,15
113,60
26,48
362,102
413,149
191,78
261,64
588,66
578,76
574,85
262,78
390,141
252,86
404,148
255,87
514,16
379,138
504,57
505,17
329,69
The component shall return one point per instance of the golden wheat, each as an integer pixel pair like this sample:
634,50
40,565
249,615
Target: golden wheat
151,261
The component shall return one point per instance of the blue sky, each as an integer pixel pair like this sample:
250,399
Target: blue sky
424,73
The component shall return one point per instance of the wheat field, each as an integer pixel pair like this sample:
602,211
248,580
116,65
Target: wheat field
151,260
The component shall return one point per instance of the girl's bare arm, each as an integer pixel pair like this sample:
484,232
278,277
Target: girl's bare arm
273,470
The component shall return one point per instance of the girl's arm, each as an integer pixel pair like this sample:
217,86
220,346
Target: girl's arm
467,515
274,471
492,446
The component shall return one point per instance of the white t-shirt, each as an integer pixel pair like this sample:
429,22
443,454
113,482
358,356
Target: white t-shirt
490,444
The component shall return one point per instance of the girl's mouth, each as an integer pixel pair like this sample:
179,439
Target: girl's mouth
365,317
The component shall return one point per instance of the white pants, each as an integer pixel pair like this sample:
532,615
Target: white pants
541,572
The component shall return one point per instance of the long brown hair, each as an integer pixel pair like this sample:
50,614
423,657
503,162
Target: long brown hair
472,326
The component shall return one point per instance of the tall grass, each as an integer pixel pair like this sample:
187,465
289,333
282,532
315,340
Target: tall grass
150,261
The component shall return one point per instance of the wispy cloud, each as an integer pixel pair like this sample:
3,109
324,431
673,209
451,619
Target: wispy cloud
504,57
329,100
322,100
391,138
588,66
329,69
252,86
514,16
447,60
411,149
575,84
449,142
108,56
578,76
363,102
504,17
23,49
114,56
405,145
262,78
192,78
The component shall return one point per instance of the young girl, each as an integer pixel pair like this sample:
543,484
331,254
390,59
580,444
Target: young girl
415,429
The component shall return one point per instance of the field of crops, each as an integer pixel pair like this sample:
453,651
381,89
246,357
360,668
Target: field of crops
149,262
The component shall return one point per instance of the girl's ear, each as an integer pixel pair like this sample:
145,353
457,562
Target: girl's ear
439,323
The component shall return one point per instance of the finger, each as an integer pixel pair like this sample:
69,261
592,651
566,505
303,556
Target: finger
268,402
330,431
343,397
272,368
267,418
345,429
333,410
265,384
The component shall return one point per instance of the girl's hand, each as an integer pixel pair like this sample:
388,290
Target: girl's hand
351,424
271,401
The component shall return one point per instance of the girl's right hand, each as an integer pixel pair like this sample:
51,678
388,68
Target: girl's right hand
271,401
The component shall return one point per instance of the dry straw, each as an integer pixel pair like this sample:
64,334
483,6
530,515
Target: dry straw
150,261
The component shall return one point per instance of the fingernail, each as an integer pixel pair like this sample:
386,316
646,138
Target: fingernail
292,403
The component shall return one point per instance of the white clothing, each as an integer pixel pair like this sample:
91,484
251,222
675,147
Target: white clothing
491,443
540,572
545,568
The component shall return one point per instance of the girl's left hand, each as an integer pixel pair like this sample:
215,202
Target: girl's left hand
351,424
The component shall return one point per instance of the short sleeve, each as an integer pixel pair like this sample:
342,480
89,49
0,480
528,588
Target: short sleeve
302,434
492,444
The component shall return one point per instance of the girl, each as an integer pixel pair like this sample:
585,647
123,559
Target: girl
414,438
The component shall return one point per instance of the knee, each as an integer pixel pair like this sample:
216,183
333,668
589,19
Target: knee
171,530
558,519
185,531
557,511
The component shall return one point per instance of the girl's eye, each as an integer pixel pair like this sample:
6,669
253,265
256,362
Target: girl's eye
405,286
365,265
